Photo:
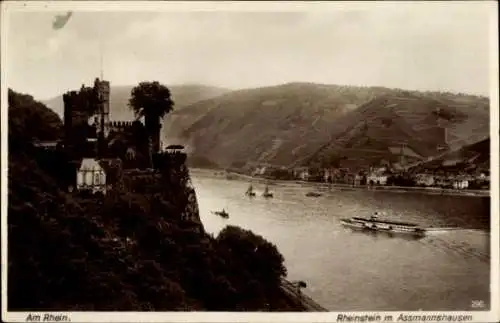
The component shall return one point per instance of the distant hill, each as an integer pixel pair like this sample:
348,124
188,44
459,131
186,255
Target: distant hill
412,126
475,156
304,123
183,95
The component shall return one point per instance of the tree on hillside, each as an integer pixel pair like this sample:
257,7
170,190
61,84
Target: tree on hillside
153,101
30,120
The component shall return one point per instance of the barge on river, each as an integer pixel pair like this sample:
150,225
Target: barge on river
392,227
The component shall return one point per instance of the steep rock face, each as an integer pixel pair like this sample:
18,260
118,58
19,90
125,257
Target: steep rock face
171,182
191,211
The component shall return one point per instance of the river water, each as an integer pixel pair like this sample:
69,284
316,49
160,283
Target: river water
353,271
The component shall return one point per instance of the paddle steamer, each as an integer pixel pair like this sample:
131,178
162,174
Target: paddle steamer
375,224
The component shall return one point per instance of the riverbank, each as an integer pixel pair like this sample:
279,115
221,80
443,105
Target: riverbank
395,189
300,299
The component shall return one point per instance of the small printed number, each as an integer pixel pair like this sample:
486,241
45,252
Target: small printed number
477,304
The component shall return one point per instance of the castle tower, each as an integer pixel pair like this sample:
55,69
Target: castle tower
68,100
75,119
102,89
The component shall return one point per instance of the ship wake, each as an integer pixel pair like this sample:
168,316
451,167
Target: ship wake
443,229
438,230
454,247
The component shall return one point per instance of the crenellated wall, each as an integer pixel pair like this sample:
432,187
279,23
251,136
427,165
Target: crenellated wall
119,126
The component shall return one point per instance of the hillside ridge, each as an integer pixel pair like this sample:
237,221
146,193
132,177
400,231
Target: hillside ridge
284,124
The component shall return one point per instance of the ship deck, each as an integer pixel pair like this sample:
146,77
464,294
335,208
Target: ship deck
385,222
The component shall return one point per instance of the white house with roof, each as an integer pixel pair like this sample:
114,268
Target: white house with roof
377,176
377,179
91,176
425,179
460,183
301,173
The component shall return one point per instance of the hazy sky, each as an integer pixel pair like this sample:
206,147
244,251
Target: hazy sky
413,46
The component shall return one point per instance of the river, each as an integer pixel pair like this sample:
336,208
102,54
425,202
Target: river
353,271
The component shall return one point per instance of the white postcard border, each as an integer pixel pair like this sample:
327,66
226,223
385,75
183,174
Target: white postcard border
490,316
230,317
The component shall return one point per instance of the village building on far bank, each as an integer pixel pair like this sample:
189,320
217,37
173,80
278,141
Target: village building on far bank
425,179
376,179
460,184
301,173
259,171
443,181
484,177
377,176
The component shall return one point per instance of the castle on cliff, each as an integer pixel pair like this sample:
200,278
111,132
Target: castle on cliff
92,141
99,156
87,120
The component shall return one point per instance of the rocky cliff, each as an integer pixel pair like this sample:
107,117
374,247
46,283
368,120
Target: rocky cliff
139,247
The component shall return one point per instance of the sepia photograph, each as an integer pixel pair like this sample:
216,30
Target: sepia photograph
226,161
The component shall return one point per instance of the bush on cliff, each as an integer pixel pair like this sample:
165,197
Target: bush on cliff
126,251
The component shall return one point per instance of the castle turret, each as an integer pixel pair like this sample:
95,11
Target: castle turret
75,121
102,89
69,100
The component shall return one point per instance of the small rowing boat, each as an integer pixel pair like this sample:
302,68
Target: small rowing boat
222,214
